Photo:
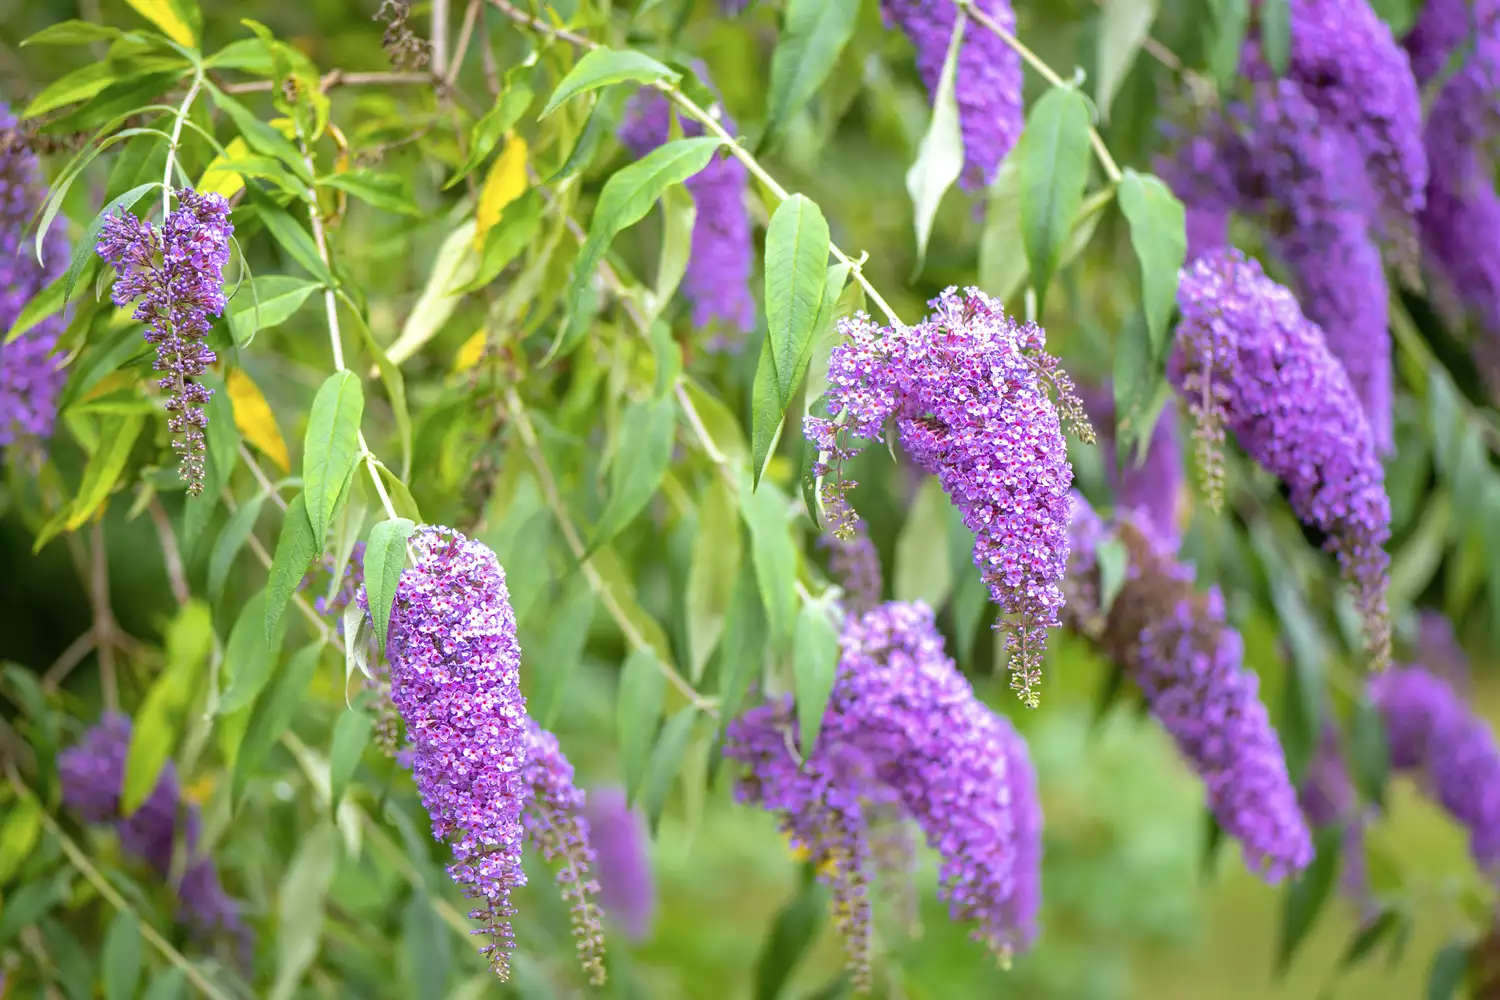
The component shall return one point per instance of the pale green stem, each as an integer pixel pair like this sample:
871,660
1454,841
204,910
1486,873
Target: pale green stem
182,113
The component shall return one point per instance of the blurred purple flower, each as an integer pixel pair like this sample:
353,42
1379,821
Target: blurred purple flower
987,80
177,273
1154,489
855,566
1247,359
30,377
626,888
719,268
968,389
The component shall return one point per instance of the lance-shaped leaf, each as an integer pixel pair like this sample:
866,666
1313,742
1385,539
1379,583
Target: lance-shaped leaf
1054,166
273,713
1123,28
331,448
116,439
558,657
160,717
454,268
774,556
1305,897
288,232
385,558
646,434
815,665
940,158
120,965
714,569
791,934
666,761
296,548
1158,233
351,734
1276,33
638,710
813,34
924,571
603,66
509,106
270,301
248,656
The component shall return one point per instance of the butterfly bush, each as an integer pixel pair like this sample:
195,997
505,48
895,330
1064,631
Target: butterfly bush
1328,800
177,273
455,680
1154,489
721,260
987,80
904,731
854,564
1246,359
968,390
627,891
92,773
1176,645
30,375
1433,734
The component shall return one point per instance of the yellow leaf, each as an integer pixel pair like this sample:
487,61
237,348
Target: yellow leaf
285,126
199,791
253,416
469,354
165,15
217,180
505,183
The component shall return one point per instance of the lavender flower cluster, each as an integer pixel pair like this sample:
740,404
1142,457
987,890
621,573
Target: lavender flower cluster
903,732
92,773
177,273
1175,643
717,280
488,776
968,389
1246,359
30,376
987,80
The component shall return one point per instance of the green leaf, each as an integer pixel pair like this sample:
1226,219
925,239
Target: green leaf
386,191
1139,387
385,558
1276,34
714,568
775,557
628,196
742,651
1225,28
189,639
231,540
1124,25
454,267
638,710
666,761
299,907
170,984
1365,940
79,85
679,214
814,666
767,414
427,947
1369,752
603,66
27,904
331,450
940,158
1114,564
296,548
813,34
18,834
509,106
261,137
646,434
923,570
792,933
116,439
43,304
122,97
796,277
562,650
290,235
248,656
603,118
120,965
1446,974
1054,166
507,239
1158,233
73,32
270,301
83,253
274,712
351,735
1305,896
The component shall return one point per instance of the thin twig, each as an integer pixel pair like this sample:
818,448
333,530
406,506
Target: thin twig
182,113
170,555
104,619
70,658
335,78
465,32
439,44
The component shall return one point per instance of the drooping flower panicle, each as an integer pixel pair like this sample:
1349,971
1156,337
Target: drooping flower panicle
30,375
92,773
455,679
904,729
968,389
1246,359
177,273
717,280
987,79
627,891
1175,643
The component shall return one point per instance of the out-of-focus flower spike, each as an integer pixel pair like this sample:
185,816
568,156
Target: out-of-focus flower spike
623,859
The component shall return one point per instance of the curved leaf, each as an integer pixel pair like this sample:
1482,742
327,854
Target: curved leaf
331,447
1054,166
603,66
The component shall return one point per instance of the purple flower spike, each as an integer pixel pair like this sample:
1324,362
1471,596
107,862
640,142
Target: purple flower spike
626,888
30,377
555,824
455,679
1247,359
968,388
92,773
717,281
987,80
1432,732
177,273
903,729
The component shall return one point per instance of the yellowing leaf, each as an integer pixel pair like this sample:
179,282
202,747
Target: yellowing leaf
285,126
505,183
469,354
165,15
253,416
200,790
216,179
